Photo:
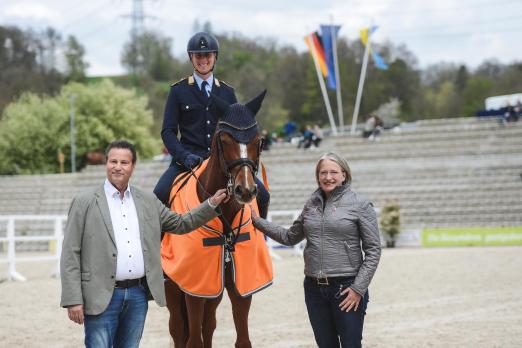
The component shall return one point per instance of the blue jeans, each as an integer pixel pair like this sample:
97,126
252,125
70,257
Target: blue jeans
331,325
121,324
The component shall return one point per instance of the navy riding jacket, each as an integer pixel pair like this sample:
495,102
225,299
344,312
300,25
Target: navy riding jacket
188,114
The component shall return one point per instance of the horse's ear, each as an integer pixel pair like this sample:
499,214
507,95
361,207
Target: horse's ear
255,104
219,106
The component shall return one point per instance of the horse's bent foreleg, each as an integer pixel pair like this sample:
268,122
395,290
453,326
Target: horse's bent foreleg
209,320
240,309
178,314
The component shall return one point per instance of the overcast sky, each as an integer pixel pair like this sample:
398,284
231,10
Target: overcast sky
459,31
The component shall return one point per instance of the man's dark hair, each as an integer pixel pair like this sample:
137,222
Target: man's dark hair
121,144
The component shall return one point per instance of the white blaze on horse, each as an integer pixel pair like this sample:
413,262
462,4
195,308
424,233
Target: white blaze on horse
227,252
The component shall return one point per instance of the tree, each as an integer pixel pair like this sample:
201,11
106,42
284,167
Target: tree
403,83
476,91
25,64
462,78
442,101
35,128
149,55
76,66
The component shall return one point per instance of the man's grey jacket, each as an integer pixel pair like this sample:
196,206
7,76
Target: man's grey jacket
89,253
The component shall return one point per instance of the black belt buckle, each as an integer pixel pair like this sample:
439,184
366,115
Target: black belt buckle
127,283
322,281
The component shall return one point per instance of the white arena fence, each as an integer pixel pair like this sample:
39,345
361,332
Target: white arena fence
12,240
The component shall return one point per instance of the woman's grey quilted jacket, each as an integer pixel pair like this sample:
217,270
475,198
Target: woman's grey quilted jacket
337,232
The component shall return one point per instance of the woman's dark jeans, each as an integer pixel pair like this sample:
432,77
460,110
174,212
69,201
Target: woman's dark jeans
333,327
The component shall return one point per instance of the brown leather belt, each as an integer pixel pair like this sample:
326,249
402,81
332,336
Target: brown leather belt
128,283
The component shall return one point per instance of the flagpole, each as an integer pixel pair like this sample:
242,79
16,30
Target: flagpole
361,84
337,76
323,87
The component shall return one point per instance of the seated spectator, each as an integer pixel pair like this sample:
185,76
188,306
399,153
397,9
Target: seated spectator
372,127
289,129
515,112
307,139
318,133
510,114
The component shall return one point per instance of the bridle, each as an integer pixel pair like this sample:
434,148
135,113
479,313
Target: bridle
227,167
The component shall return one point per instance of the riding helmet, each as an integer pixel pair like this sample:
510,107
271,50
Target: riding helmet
202,42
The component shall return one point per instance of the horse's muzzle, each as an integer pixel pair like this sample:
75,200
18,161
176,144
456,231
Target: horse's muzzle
244,195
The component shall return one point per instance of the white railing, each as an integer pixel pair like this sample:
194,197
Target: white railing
57,237
11,239
292,214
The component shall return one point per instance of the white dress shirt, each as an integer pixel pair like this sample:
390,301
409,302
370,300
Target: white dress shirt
130,264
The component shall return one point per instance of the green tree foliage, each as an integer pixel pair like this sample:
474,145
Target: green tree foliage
35,128
476,91
253,64
150,55
27,63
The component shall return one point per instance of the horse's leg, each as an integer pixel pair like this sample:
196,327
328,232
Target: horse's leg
178,314
195,311
209,320
240,309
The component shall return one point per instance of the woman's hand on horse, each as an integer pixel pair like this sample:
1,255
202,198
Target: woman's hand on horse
219,197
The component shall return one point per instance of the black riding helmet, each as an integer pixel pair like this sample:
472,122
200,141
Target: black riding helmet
201,43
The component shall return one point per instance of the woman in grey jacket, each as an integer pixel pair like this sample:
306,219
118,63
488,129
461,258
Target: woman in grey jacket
338,225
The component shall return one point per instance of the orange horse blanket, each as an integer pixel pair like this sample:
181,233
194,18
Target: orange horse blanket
199,270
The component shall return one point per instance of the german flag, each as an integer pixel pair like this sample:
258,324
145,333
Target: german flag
315,45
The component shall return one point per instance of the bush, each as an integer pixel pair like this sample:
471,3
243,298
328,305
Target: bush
34,129
390,221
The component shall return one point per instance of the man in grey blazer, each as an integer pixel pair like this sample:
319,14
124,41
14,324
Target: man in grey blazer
110,263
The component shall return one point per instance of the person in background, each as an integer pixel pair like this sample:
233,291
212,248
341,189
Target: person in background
307,139
110,264
289,129
318,133
338,225
372,127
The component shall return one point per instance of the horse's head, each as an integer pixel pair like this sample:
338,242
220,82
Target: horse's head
238,144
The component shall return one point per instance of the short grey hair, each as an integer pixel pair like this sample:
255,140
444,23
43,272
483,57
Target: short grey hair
332,156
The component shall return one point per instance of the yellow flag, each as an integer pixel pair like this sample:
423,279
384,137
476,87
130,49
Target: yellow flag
364,35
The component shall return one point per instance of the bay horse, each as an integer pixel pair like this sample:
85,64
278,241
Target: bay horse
227,252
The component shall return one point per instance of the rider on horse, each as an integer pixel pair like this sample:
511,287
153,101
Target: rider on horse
188,112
